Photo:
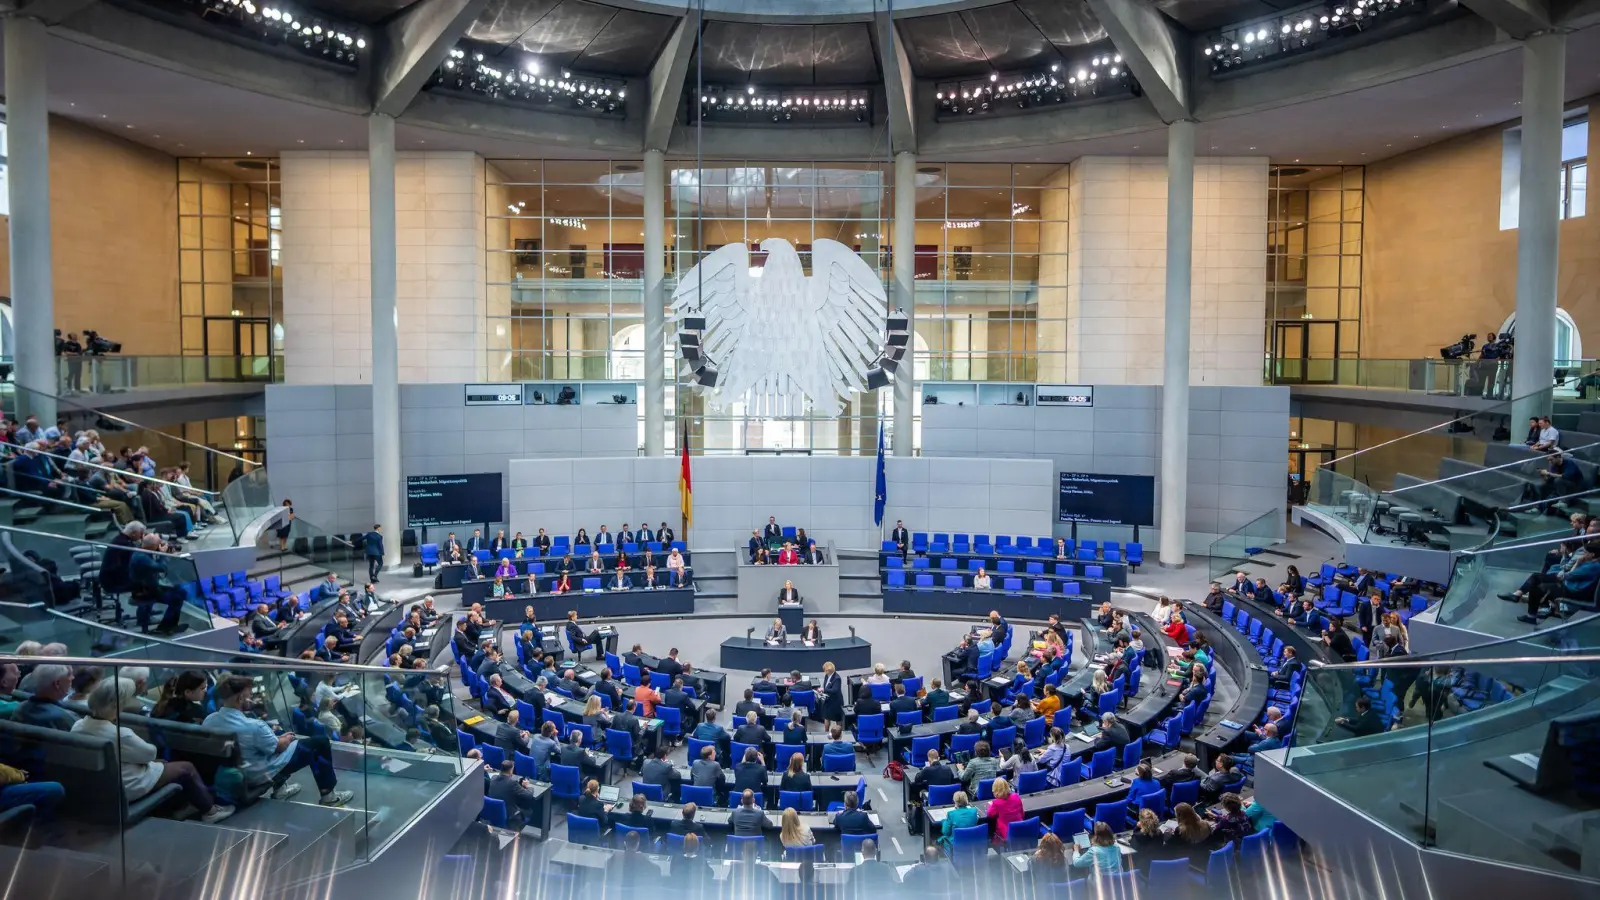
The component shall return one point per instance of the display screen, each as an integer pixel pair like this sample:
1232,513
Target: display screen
1065,395
494,395
452,499
1108,499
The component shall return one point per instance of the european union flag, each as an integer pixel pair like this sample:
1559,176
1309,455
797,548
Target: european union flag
883,484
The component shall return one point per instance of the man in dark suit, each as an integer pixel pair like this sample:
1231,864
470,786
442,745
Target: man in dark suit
902,703
514,792
937,696
625,720
657,770
496,699
475,543
1189,771
451,547
569,683
1113,734
852,820
607,687
677,698
754,545
1369,615
644,535
636,816
1367,720
461,643
670,666
748,705
510,737
764,683
812,555
933,875
572,753
751,773
772,533
748,820
626,535
542,541
751,731
664,534
900,536
971,725
581,641
1288,667
635,656
934,773
998,627
706,772
686,823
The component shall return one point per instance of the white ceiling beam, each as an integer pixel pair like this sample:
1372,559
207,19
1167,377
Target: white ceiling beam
667,79
1152,47
899,86
413,45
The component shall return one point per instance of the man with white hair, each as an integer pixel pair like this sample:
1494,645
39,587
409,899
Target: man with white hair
51,682
144,581
30,681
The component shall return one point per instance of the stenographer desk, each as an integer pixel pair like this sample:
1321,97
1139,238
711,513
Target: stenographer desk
593,604
1235,654
753,654
1024,605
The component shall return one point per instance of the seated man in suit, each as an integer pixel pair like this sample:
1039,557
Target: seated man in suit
901,537
751,773
636,816
751,731
755,545
620,581
1287,669
837,743
1113,735
706,772
709,730
573,753
935,772
543,746
624,720
677,698
748,820
748,705
581,641
686,824
902,703
852,819
569,683
510,737
657,770
764,683
497,701
1189,771
1366,721
515,792
670,666
772,533
594,565
328,651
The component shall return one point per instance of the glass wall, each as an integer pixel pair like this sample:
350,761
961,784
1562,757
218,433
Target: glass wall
566,256
230,274
1314,235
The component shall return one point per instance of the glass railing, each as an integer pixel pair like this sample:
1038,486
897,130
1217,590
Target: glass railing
1445,486
143,588
209,467
255,774
115,373
1490,586
1484,379
308,547
1417,759
1236,547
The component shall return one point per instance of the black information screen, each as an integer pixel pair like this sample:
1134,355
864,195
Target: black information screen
452,499
1108,499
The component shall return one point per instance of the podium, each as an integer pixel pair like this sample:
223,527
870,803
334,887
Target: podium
793,617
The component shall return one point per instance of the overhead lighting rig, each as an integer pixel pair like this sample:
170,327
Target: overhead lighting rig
284,26
1305,29
1099,76
780,105
522,78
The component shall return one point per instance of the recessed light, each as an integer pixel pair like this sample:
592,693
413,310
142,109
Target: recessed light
301,141
102,115
72,104
127,126
1252,148
248,153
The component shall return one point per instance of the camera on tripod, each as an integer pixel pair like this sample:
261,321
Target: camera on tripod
97,345
1460,349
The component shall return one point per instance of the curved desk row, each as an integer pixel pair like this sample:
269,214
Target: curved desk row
1011,604
1112,570
452,575
593,605
480,590
753,654
1239,659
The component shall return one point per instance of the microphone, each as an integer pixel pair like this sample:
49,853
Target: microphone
748,633
852,631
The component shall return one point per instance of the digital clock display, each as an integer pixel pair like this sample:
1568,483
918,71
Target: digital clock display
494,395
1065,395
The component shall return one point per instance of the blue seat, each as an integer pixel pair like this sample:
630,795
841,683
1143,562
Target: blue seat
566,783
1219,869
1042,586
806,699
869,729
850,845
736,752
524,766
673,844
463,740
782,753
734,844
1086,552
591,584
1102,763
695,745
1066,823
838,762
985,790
1132,753
1034,568
702,796
428,555
946,713
917,755
896,562
620,832
1033,732
920,562
1167,878
809,853
949,562
671,720
1005,565
924,579
1184,792
581,830
1011,584
1003,737
964,743
1109,701
888,547
954,582
942,794
493,812
912,685
653,792
1253,850
1024,834
882,693
896,578
968,845
1114,814
799,801
492,756
1033,782
907,718
1094,571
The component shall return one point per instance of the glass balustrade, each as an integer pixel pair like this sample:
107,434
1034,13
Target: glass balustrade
1484,578
115,373
1236,547
312,552
322,765
1416,754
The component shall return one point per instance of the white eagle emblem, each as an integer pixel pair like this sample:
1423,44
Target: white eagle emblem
777,336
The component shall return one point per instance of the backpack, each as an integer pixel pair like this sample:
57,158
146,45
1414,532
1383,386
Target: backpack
895,770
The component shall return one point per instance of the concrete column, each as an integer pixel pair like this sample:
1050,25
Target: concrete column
1538,224
386,482
655,299
904,295
32,287
1175,355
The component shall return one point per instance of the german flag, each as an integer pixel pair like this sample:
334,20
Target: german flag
685,483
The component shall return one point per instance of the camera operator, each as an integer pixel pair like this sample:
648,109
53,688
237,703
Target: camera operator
73,351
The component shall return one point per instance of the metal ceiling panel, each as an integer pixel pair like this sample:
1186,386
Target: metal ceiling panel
1208,15
503,21
844,54
562,33
941,46
628,45
1009,39
365,12
735,52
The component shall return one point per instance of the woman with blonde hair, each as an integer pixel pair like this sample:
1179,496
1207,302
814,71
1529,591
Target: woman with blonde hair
1147,838
1005,808
794,834
878,675
963,816
1193,835
142,769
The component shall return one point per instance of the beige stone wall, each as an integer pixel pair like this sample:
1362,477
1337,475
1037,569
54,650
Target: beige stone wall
1436,263
114,234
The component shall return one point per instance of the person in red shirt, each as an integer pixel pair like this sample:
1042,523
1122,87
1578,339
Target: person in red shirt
1177,630
787,556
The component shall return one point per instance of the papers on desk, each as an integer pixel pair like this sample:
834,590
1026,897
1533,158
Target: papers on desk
502,836
809,643
1531,760
1080,736
902,870
1019,861
394,766
473,720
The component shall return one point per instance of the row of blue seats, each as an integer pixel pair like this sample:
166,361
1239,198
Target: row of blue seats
233,595
1110,551
896,578
429,553
1002,567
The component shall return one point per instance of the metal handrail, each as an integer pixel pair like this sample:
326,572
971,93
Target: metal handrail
43,499
256,664
122,472
85,542
69,402
1510,465
1544,542
1583,493
1424,663
1405,437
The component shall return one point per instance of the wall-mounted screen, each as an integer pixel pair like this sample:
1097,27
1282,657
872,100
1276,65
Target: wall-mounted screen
494,395
452,499
1066,395
1095,499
